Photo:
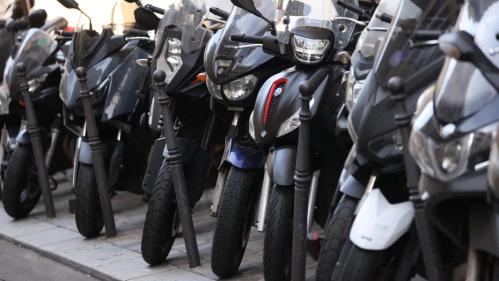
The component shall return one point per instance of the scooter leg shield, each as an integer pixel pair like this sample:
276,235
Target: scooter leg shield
379,224
283,167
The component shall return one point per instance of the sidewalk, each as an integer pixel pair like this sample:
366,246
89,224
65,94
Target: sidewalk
119,258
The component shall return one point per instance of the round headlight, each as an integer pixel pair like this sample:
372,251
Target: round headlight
240,88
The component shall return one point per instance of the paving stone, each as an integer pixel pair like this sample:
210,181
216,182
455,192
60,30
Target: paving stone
49,236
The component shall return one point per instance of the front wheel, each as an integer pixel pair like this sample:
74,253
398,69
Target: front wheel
278,238
21,189
336,231
235,218
356,264
162,221
88,213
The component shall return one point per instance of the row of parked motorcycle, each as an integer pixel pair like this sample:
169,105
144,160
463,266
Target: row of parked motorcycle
361,133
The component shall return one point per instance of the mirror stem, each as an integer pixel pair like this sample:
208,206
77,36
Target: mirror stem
89,20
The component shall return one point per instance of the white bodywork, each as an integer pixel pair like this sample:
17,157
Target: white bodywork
379,224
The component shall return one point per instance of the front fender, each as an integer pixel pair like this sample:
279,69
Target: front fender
85,153
246,157
283,166
24,138
379,224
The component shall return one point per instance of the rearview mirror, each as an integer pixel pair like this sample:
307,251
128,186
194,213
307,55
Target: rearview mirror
37,18
146,19
70,4
461,45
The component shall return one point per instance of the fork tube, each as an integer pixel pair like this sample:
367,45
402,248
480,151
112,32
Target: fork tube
311,199
36,142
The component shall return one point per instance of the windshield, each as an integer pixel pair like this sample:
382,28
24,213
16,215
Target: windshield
462,90
315,13
400,56
182,20
228,61
35,49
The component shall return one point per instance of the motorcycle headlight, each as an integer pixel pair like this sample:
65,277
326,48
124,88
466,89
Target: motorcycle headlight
309,51
214,89
240,88
352,90
447,160
172,62
292,122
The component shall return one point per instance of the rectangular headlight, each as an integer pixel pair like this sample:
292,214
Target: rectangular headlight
309,51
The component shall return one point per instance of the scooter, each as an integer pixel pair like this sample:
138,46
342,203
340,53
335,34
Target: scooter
105,92
33,89
383,171
275,119
362,60
235,72
451,140
178,64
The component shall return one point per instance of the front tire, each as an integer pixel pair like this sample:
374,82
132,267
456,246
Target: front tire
235,218
88,214
337,230
162,222
278,235
356,264
21,189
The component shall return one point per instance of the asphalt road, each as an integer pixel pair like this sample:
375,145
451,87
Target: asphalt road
20,264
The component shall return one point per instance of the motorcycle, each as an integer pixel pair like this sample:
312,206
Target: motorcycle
105,91
378,189
368,46
40,54
451,142
179,55
235,72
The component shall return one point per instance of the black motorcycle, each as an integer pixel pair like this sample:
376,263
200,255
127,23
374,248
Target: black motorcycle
314,38
235,72
114,139
179,55
380,178
40,54
451,140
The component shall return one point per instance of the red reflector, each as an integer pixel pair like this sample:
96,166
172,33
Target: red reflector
277,83
69,29
22,103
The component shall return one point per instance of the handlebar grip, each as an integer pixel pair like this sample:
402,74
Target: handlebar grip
66,34
384,17
219,12
136,32
352,8
243,38
427,34
155,9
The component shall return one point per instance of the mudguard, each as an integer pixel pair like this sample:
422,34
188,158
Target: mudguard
153,164
379,224
85,153
484,228
246,157
283,166
352,187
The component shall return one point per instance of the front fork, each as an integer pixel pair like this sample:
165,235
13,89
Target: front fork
223,169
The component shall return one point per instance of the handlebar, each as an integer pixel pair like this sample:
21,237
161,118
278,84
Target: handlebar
155,9
423,35
243,38
353,8
136,32
219,12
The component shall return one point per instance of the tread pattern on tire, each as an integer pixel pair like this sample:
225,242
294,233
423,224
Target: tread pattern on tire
88,215
336,232
16,180
278,234
226,254
157,234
